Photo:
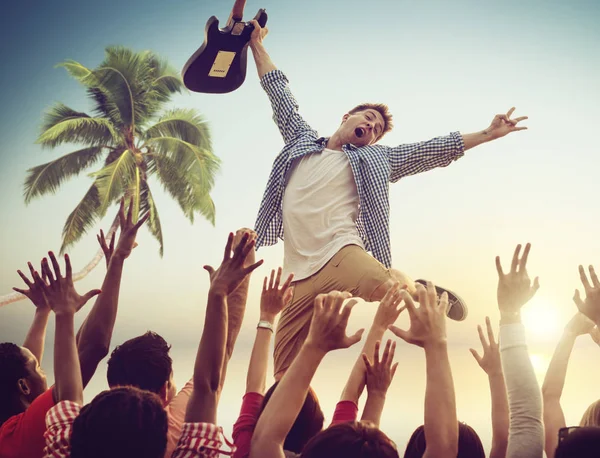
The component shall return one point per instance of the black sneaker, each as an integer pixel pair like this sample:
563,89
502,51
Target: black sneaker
457,309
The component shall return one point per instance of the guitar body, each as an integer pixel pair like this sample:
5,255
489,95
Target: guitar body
219,65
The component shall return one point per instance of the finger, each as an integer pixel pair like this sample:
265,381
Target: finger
484,344
271,279
319,305
515,260
523,262
584,279
521,128
46,271
386,353
112,241
410,305
578,302
348,309
490,331
264,285
253,267
443,303
101,238
278,278
354,339
510,112
210,270
476,356
288,282
39,282
227,254
594,277
536,284
239,252
21,291
404,335
392,353
68,268
90,294
422,293
521,118
431,295
25,279
499,267
337,302
391,292
288,295
55,265
122,213
368,366
394,367
250,244
141,221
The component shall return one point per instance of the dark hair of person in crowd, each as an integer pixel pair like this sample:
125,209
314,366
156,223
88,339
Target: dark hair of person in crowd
581,442
21,380
309,421
121,423
143,362
469,443
351,440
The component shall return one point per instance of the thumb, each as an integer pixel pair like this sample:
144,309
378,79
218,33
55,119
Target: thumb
354,338
210,270
91,294
475,355
404,335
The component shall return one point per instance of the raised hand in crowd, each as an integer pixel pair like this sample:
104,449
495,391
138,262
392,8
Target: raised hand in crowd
327,333
554,382
95,334
428,330
526,435
379,376
34,341
491,364
387,313
64,301
210,359
590,306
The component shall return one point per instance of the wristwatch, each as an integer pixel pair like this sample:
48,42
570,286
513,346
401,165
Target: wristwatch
265,325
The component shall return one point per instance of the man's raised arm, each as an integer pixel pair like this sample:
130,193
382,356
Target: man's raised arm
274,82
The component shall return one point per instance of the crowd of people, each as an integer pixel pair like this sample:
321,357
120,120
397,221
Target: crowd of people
143,415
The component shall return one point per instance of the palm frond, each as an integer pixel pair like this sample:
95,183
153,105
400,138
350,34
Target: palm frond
113,180
147,205
174,181
47,178
65,125
80,72
81,219
185,124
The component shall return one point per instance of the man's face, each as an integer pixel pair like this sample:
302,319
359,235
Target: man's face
363,128
36,380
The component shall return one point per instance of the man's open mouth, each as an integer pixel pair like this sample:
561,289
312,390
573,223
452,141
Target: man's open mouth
359,132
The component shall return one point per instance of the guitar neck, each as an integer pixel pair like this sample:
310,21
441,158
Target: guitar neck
237,13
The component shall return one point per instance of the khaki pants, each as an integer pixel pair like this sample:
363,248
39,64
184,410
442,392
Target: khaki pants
351,269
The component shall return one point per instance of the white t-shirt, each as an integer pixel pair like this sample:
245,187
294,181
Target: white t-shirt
320,208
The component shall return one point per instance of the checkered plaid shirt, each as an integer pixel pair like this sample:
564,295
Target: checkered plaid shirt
373,167
198,440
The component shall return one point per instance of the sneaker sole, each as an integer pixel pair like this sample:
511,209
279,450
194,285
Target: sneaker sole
457,309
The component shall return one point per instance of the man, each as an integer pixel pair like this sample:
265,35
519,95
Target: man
330,198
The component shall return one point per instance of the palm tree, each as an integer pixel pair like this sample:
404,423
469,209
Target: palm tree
133,141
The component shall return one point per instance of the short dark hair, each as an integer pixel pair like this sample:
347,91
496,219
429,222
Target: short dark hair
308,424
121,423
143,362
383,110
582,442
469,443
13,366
351,440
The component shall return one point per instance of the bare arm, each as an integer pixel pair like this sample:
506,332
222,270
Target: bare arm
554,381
272,302
387,313
327,332
428,330
94,336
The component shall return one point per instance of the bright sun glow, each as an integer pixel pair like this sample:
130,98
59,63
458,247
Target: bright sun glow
541,318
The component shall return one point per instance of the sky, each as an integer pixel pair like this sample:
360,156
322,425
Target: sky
440,66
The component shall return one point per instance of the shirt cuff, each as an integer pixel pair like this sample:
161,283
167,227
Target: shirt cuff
512,335
460,143
271,78
202,439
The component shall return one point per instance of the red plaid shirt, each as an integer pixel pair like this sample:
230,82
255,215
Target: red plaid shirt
198,440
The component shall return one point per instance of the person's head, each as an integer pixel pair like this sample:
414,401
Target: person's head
591,416
365,124
578,442
143,362
350,440
469,443
121,423
309,421
21,380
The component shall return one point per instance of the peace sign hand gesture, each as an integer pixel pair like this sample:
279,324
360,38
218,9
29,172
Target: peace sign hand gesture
502,124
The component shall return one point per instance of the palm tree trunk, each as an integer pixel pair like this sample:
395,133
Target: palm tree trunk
15,297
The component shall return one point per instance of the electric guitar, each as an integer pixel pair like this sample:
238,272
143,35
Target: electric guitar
219,65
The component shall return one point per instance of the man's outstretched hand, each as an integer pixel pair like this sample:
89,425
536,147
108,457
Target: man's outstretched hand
503,124
258,34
